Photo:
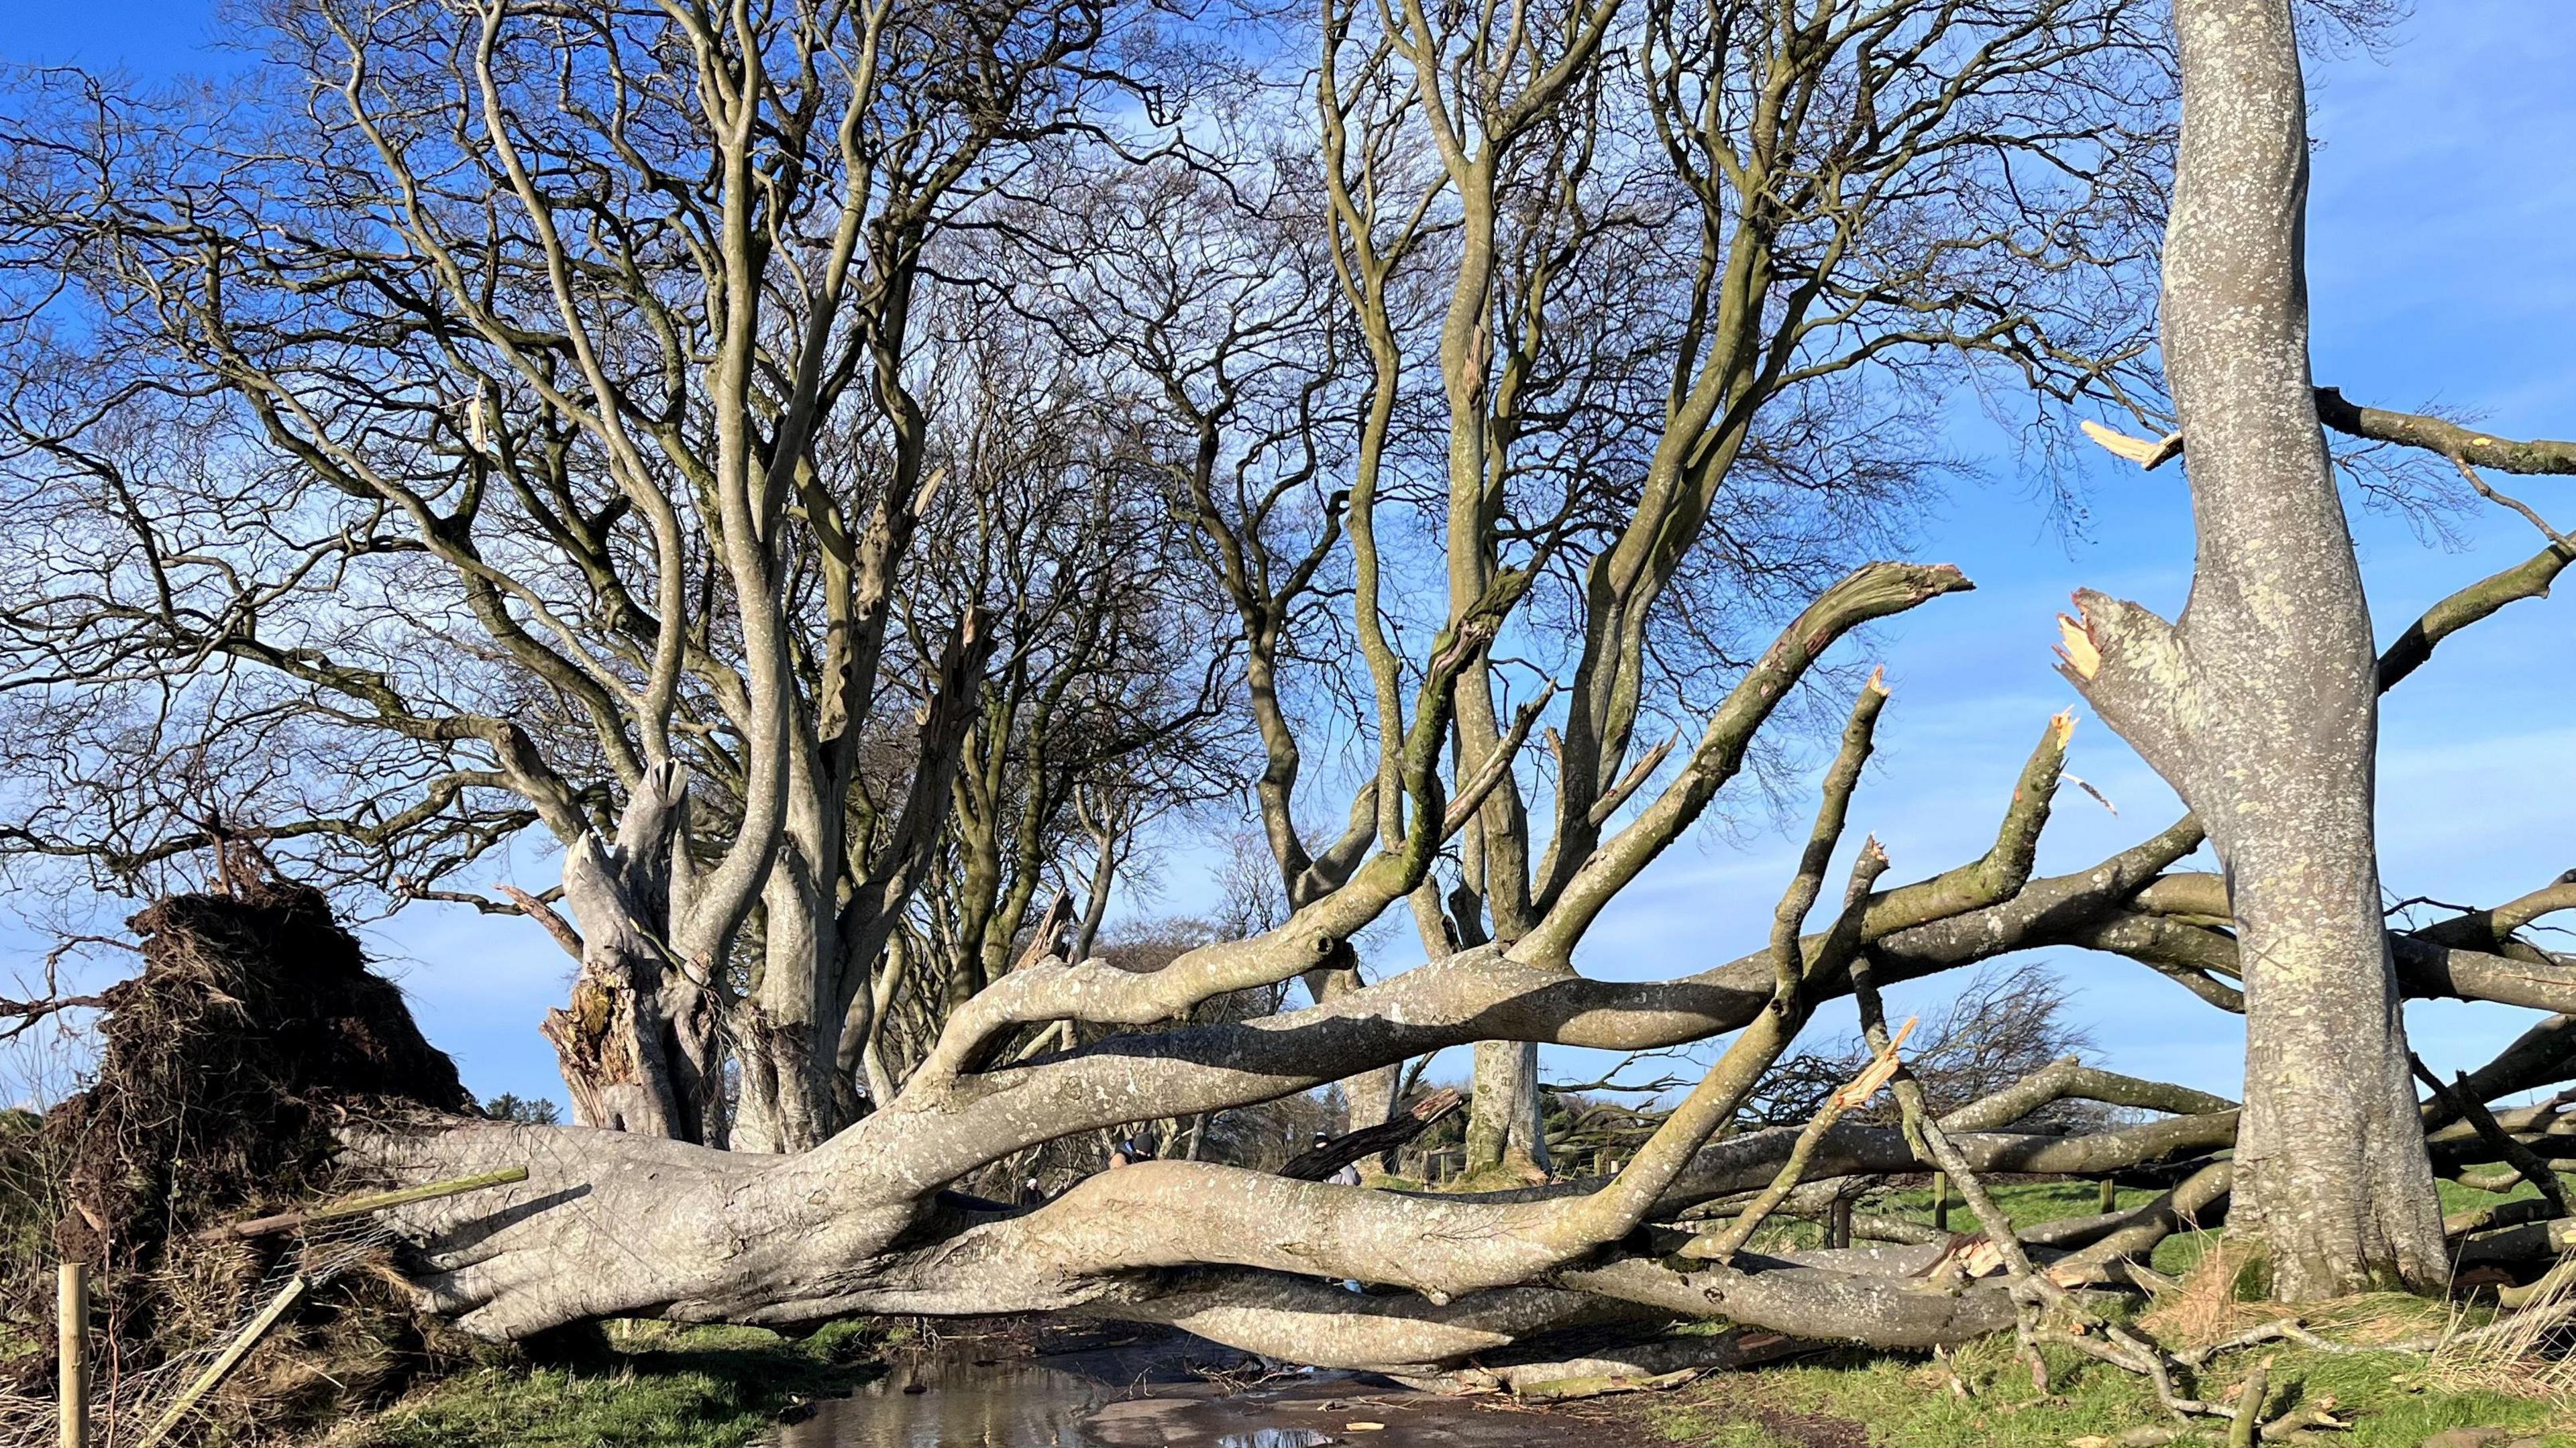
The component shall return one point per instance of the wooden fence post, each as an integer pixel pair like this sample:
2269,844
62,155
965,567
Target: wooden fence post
71,1349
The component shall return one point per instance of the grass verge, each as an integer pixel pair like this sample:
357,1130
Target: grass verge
658,1387
1984,1399
1983,1396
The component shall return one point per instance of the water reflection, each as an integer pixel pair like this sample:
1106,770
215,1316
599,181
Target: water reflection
1274,1438
1110,1401
960,1405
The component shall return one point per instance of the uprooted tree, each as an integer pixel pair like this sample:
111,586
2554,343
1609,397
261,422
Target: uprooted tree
826,470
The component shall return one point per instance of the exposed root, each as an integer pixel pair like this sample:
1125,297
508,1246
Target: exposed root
227,1068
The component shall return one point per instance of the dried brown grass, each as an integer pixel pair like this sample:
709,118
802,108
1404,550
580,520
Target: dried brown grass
2530,1353
2224,1294
2209,1303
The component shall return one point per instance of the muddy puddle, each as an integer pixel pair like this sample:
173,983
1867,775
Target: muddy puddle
1108,1400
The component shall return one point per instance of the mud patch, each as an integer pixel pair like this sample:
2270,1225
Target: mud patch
1731,1404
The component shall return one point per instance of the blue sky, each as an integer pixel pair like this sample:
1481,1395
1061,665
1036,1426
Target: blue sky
2442,240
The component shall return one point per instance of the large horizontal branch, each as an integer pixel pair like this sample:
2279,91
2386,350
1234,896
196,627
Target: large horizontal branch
2493,929
1304,1315
2066,1079
2443,960
2426,970
2069,1079
1316,1322
2436,435
1745,1163
1161,1214
1890,1310
1854,1150
2541,1056
1304,1320
2439,435
2192,956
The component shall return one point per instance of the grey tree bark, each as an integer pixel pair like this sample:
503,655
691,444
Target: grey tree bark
1505,1127
772,488
2260,704
637,1044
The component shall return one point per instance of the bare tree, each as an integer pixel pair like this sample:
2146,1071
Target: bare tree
592,344
2007,1022
1670,337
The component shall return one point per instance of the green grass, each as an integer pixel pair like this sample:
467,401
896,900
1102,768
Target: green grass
1906,1403
659,1388
2457,1198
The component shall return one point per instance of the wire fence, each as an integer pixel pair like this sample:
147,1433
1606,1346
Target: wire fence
160,1404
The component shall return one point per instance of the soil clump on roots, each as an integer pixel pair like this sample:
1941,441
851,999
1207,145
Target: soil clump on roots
225,1070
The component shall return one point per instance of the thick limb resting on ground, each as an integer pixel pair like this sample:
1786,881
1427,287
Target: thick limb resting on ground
619,1224
664,1227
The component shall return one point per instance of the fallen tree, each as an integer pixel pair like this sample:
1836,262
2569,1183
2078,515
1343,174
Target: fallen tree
618,1224
614,1224
627,1224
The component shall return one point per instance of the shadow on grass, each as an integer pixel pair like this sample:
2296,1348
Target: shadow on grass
654,1387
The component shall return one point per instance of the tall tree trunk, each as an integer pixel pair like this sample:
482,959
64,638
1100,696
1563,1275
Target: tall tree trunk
1504,1126
2259,706
637,1043
1503,1112
786,1100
